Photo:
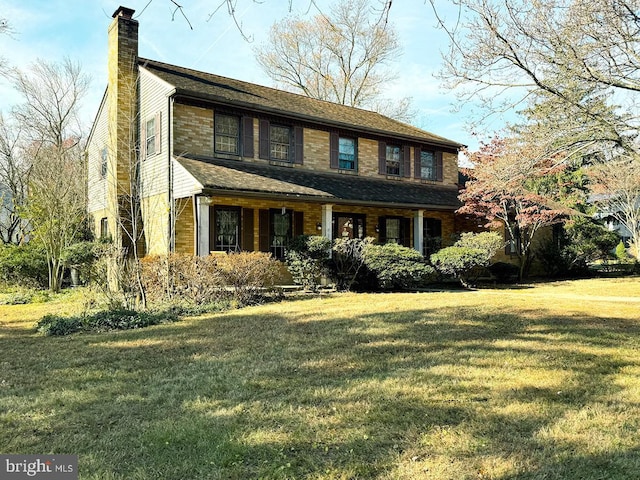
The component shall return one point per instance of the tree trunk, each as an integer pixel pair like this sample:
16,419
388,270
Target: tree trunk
55,275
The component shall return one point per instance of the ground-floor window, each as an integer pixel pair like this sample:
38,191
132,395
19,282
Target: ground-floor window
432,236
394,230
281,231
104,227
227,225
348,225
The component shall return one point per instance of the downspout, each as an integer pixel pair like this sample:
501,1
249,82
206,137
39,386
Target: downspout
171,229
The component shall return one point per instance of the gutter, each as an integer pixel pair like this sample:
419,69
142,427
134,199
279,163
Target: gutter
295,197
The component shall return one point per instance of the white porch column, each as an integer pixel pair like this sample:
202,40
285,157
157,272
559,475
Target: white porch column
327,217
203,225
418,230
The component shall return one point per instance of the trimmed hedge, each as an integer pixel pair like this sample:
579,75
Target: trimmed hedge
56,325
397,266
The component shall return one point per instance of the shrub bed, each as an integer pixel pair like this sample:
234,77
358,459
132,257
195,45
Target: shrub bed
57,325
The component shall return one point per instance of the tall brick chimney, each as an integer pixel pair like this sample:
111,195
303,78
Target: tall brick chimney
122,108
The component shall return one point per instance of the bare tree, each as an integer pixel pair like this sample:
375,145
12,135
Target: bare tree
617,185
5,29
341,56
55,205
14,179
579,56
230,7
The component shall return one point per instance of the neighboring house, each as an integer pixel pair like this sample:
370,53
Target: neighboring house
613,224
226,165
610,218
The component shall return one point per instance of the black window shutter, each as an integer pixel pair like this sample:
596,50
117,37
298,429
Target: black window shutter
417,165
247,229
264,231
439,167
212,229
382,158
298,224
298,145
405,225
382,230
406,157
247,136
334,149
264,139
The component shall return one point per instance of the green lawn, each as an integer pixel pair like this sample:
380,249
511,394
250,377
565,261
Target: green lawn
540,382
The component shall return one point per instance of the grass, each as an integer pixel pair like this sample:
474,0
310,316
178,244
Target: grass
541,382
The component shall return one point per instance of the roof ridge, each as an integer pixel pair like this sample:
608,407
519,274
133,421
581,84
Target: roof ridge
321,110
279,90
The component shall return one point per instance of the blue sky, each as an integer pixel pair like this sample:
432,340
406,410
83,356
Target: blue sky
51,29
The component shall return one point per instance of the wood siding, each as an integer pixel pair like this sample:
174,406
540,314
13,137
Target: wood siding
97,184
154,104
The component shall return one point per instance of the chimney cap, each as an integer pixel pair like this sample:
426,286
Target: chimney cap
123,12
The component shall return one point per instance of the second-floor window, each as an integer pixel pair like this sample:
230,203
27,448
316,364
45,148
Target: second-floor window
104,155
427,165
393,160
151,137
347,153
279,143
227,137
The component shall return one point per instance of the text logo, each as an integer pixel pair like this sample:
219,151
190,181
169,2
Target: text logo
39,467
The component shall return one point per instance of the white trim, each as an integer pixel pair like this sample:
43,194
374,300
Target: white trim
202,205
418,231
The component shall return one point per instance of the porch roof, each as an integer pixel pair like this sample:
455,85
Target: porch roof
232,177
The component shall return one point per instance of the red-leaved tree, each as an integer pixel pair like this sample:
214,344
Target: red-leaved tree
503,190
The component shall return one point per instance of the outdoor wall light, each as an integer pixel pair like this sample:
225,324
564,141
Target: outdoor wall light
318,226
377,228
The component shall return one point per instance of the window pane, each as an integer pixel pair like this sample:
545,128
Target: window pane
393,230
427,165
279,139
347,153
345,227
281,233
104,228
393,160
227,134
227,125
103,165
432,234
151,137
227,230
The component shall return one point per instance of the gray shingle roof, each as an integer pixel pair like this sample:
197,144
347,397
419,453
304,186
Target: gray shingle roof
207,86
244,178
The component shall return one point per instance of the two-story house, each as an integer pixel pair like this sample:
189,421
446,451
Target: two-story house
218,164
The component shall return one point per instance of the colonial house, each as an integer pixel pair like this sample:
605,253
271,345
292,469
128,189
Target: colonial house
218,164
